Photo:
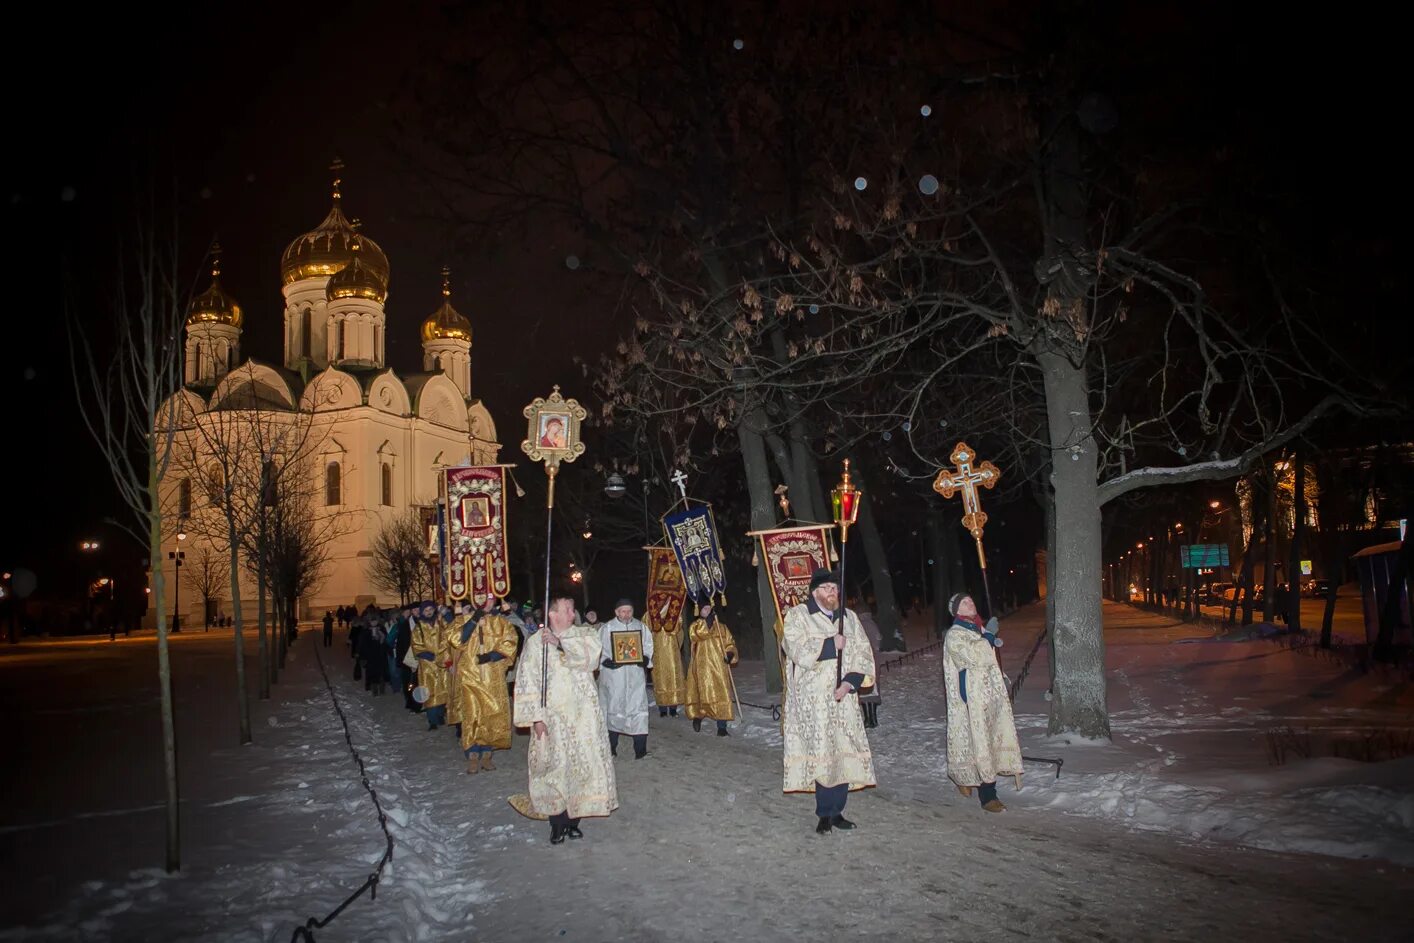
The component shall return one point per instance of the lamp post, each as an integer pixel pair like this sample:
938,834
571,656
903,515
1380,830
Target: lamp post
177,556
844,506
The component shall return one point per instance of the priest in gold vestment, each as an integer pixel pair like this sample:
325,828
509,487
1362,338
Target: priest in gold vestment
709,680
826,749
667,666
453,620
432,675
571,775
485,651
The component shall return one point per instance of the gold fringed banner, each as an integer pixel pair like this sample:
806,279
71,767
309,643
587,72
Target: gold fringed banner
791,556
666,592
476,533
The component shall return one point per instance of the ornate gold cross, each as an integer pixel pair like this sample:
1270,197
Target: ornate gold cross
966,479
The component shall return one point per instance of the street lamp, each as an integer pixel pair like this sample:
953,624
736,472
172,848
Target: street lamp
177,556
615,487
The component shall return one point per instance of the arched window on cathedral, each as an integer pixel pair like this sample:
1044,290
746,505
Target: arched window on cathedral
306,334
332,485
377,343
340,355
198,361
184,498
387,483
231,357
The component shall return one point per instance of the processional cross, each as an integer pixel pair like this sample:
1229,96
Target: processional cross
966,479
680,480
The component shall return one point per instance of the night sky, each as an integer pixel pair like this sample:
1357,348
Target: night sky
248,104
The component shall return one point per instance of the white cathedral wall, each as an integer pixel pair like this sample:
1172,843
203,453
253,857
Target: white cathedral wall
361,438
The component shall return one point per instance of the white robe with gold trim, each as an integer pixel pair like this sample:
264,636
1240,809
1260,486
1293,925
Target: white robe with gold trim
570,769
982,742
824,738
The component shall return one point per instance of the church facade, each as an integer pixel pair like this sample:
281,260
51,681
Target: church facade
361,445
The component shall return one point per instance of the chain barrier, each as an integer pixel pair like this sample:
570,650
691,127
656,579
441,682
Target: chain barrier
370,884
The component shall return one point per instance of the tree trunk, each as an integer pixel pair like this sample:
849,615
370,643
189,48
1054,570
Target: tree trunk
886,611
1078,703
1249,561
1269,577
242,701
1050,501
763,517
282,615
1298,535
1335,572
164,667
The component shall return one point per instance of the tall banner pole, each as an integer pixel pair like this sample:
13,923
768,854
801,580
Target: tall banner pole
965,480
552,437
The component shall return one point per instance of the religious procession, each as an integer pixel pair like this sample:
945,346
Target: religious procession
576,690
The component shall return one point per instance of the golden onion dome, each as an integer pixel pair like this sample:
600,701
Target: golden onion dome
357,279
214,306
328,247
446,323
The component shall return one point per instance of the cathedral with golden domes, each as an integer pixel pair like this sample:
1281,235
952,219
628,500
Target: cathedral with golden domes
371,441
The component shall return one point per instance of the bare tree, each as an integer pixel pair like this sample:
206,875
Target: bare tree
208,573
399,561
291,541
122,396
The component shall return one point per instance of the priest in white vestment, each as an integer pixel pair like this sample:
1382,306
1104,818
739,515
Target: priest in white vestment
571,774
826,749
623,684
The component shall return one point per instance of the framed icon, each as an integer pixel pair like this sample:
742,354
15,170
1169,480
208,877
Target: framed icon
476,511
628,647
553,431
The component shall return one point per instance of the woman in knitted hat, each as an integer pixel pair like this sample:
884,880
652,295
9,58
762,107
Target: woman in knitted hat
982,741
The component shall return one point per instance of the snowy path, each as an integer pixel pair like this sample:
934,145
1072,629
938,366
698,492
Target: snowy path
705,847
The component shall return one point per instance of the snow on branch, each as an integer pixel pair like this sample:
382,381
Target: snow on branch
1217,468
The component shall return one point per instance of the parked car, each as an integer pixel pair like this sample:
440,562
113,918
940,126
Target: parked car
1215,593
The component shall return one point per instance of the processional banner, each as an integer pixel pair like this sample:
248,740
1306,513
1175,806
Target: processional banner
666,594
475,515
791,555
692,532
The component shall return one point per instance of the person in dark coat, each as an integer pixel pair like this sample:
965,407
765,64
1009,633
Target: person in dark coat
328,629
374,658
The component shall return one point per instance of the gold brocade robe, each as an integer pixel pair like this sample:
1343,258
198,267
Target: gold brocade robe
427,638
451,638
982,744
485,705
667,667
570,770
824,738
709,683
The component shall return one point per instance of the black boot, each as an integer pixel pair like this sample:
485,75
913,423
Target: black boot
722,729
572,830
662,712
824,826
557,835
840,821
697,725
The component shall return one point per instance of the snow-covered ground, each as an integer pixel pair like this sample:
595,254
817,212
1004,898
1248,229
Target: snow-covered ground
1139,839
1213,741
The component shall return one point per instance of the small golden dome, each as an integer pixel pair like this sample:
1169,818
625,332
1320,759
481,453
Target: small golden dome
446,323
214,306
328,247
357,279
